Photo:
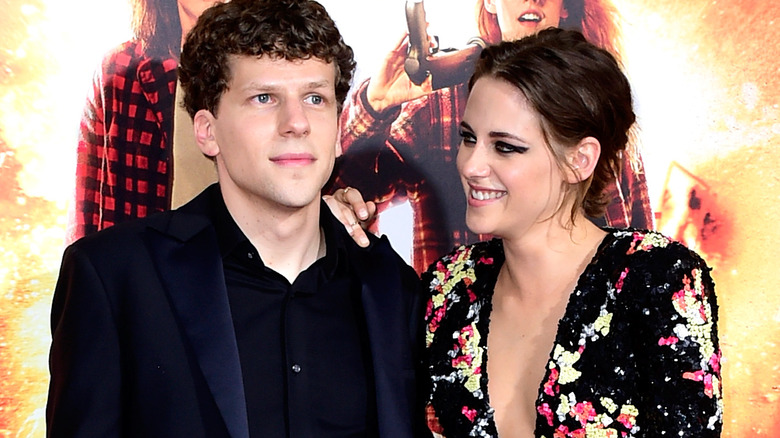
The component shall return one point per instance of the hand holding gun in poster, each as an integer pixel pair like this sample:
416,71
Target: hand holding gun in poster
415,67
446,67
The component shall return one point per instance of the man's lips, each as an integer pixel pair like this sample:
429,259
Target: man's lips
293,159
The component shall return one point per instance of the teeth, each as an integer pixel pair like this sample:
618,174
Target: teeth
530,17
481,196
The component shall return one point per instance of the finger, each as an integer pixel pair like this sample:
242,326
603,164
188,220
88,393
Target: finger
402,43
372,209
432,43
398,51
396,57
344,213
341,211
354,199
358,234
427,85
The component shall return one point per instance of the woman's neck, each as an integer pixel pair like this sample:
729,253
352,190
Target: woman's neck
552,255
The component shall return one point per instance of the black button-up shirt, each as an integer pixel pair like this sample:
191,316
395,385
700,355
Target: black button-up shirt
303,346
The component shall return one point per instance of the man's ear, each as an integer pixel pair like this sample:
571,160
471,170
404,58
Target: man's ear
582,160
203,123
339,151
490,6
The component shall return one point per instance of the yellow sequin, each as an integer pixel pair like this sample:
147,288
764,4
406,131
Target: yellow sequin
602,323
566,361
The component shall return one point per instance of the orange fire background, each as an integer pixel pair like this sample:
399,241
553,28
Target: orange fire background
706,78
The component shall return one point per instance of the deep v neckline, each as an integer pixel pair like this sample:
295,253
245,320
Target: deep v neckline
489,288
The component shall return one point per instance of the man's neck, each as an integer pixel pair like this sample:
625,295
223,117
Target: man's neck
288,240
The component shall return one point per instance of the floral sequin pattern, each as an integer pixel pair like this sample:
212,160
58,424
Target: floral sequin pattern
570,415
588,418
451,285
692,303
647,241
448,273
636,352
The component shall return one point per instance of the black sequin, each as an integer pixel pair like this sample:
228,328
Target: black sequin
636,353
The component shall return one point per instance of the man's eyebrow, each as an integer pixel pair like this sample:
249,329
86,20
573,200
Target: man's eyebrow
319,84
266,87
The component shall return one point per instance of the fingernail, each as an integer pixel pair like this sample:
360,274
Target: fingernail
364,241
363,213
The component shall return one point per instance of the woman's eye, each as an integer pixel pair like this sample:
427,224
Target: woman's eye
467,137
506,148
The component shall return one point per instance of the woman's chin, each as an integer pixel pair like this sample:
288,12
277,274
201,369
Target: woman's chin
479,226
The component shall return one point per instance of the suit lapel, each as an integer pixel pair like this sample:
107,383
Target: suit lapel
190,266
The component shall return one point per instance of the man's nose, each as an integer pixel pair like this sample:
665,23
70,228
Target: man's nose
294,120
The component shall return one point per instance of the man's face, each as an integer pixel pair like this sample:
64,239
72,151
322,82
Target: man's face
275,132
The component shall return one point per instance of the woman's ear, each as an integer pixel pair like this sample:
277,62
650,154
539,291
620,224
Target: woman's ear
490,6
582,160
203,123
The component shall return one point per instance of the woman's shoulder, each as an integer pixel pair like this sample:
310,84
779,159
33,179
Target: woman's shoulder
128,49
127,56
458,272
650,258
639,245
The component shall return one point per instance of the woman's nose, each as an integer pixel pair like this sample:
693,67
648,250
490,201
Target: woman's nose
473,161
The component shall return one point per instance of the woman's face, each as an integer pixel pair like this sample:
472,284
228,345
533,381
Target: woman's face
520,18
509,175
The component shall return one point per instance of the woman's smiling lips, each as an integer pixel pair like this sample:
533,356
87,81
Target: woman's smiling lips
293,160
480,195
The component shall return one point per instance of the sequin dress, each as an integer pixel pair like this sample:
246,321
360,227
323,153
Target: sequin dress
636,353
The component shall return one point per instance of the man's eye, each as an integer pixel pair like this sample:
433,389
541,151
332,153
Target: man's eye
263,98
315,99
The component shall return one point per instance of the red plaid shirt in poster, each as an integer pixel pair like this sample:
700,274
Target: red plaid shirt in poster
124,142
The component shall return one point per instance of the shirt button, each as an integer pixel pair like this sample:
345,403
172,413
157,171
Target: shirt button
249,255
296,368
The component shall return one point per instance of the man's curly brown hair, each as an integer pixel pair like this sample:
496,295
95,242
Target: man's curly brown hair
280,29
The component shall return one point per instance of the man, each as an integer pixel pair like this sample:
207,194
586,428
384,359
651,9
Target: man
248,312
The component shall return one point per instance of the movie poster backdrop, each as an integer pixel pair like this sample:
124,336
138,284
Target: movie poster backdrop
706,81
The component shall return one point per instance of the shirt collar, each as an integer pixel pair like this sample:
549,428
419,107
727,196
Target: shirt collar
230,236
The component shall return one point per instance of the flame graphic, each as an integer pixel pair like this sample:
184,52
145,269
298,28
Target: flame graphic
47,56
707,84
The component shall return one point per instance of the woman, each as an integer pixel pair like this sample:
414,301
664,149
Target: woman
506,20
400,139
124,149
559,328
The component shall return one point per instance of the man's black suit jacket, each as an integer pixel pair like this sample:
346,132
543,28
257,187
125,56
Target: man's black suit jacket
143,340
